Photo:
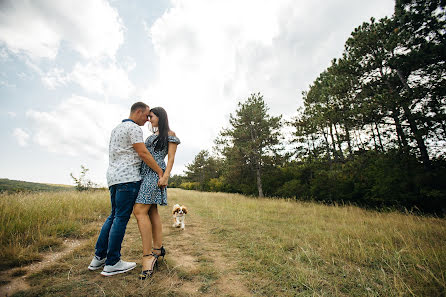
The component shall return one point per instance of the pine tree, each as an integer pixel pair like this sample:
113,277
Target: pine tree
202,169
253,139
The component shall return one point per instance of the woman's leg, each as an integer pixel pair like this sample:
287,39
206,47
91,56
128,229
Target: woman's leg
157,227
145,228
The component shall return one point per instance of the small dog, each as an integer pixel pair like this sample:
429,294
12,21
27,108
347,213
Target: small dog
179,214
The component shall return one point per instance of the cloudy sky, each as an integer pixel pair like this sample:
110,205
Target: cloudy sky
70,70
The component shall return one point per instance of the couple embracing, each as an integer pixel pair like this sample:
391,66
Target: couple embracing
137,177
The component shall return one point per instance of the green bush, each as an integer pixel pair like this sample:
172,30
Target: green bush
190,186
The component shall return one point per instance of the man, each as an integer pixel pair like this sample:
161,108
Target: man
126,150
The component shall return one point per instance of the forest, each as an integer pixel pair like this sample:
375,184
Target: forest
371,131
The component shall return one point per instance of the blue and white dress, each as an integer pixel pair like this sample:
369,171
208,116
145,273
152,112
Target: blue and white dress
150,193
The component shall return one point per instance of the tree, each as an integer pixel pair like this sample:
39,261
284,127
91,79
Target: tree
176,180
202,169
420,65
82,183
253,138
401,65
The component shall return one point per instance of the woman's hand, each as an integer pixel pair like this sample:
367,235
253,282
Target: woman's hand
162,182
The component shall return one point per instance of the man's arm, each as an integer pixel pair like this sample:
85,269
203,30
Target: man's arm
145,155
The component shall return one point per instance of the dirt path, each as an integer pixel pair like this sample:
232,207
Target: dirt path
16,277
206,268
195,265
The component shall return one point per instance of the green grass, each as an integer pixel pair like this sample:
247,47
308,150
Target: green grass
275,247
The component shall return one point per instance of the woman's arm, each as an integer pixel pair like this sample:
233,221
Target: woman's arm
172,149
170,158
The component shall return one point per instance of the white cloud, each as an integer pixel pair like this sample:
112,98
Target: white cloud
146,27
6,84
107,79
25,75
212,54
77,126
12,114
21,136
92,28
128,63
54,78
3,54
199,44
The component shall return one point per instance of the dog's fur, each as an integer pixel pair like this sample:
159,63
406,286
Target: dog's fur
179,215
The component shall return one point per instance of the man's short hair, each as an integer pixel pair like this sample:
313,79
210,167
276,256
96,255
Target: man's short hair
138,105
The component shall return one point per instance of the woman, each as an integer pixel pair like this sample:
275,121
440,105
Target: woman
153,191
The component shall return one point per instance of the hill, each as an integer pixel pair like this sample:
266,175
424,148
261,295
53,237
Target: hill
14,186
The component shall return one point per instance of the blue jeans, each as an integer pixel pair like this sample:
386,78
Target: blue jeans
123,198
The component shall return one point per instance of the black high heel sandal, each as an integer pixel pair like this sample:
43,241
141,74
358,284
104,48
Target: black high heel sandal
162,251
148,273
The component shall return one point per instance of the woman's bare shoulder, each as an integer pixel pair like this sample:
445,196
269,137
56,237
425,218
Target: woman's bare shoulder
171,133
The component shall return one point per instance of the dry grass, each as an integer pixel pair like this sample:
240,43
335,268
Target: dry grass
31,223
273,248
310,249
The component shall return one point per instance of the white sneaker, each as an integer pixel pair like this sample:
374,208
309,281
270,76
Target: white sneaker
96,263
120,267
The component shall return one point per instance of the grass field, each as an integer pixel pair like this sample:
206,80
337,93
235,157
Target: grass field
232,246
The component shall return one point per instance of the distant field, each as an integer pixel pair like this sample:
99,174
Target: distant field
232,246
14,186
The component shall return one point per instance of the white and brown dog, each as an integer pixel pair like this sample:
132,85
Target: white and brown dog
179,214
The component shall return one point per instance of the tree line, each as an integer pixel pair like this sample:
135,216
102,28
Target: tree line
17,186
371,131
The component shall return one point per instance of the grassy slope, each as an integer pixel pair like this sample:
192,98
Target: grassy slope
13,186
275,248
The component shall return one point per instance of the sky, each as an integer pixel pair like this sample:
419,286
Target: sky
70,70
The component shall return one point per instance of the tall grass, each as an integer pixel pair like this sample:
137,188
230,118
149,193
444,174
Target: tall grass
289,248
33,222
